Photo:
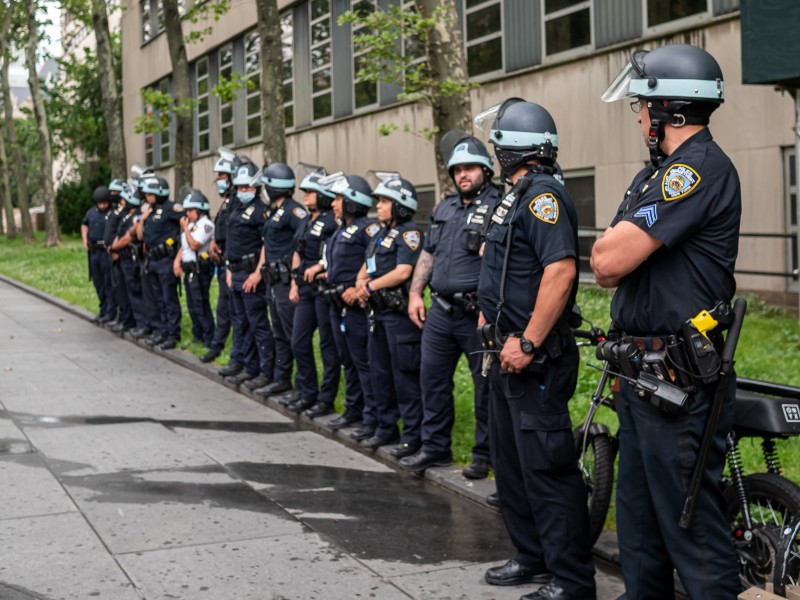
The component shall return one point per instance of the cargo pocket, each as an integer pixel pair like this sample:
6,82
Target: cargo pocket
548,442
408,351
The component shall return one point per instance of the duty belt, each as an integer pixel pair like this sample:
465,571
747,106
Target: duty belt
467,301
389,299
129,252
276,271
332,292
246,263
101,245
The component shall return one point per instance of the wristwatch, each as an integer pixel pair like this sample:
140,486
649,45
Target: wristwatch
526,346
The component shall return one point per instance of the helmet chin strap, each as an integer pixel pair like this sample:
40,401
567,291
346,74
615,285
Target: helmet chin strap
660,116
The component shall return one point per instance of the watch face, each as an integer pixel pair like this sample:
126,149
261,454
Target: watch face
526,346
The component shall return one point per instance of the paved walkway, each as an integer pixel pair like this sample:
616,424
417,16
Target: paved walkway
127,476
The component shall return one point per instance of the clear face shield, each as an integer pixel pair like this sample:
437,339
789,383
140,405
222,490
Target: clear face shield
620,87
376,178
336,183
226,154
303,170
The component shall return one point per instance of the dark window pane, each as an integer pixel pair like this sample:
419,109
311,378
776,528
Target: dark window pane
483,22
288,92
252,63
288,116
287,69
203,142
414,47
322,106
581,189
319,8
253,127
663,11
585,252
551,6
364,7
227,135
485,57
164,152
320,56
254,82
202,87
202,123
226,56
793,209
226,114
202,105
366,94
202,68
567,32
471,3
252,43
792,170
320,31
254,104
321,80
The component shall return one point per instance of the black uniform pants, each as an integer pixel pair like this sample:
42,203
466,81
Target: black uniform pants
100,270
197,286
123,301
656,459
312,313
445,337
133,285
165,288
542,496
223,327
249,317
394,355
281,312
351,334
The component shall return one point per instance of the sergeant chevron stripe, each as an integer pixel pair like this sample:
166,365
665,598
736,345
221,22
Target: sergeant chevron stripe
650,213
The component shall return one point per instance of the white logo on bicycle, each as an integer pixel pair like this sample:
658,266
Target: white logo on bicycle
791,413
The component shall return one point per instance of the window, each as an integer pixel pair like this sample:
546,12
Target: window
484,36
321,73
147,31
152,19
365,93
202,122
159,16
567,25
413,46
226,108
790,193
149,141
580,185
661,12
163,86
287,47
252,70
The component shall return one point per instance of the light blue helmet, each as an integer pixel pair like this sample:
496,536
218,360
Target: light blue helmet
470,151
247,174
311,183
403,195
196,199
117,185
153,184
128,193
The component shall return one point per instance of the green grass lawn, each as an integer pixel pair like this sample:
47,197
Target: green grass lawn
769,347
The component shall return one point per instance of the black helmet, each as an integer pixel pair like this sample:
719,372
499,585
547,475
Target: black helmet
354,190
470,151
403,195
311,183
278,180
101,194
522,131
158,186
687,77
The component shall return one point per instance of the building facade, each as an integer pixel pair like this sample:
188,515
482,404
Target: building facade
559,53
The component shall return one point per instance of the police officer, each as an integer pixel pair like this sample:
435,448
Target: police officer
248,291
194,263
394,341
315,399
92,231
275,265
223,170
344,256
161,235
125,320
450,261
671,251
127,247
527,287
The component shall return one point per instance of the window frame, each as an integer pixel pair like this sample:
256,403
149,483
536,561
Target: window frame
164,87
577,50
223,105
198,97
353,56
485,38
256,93
677,23
288,15
329,66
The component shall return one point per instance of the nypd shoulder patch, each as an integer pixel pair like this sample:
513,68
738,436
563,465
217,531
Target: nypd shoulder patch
412,239
545,208
678,181
372,229
299,212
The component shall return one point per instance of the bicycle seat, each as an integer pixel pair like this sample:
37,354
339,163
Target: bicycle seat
756,415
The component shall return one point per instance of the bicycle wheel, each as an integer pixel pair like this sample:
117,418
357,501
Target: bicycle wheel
787,567
597,470
773,502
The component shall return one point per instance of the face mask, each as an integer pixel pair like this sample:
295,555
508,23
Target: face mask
222,186
245,197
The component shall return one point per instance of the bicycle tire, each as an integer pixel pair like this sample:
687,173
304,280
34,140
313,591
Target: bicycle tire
598,476
787,567
774,502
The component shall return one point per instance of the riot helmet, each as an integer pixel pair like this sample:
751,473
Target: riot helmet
117,185
101,195
197,200
470,151
158,186
688,78
278,180
520,132
227,164
355,192
403,195
247,175
130,193
311,183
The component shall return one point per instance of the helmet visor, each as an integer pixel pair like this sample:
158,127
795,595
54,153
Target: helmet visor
137,170
226,154
375,178
620,87
485,119
336,183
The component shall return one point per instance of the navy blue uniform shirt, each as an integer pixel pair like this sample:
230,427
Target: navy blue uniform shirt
127,221
96,222
221,220
280,230
346,249
113,217
456,267
392,246
314,234
545,230
692,204
245,229
163,224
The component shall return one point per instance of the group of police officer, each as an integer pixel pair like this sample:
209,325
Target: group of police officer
502,264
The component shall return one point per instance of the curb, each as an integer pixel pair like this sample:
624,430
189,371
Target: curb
447,478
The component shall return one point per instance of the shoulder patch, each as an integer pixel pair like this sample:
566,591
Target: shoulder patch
545,208
372,229
299,212
412,239
208,228
177,207
678,181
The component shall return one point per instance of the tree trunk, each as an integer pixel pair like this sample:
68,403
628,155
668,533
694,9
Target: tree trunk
52,233
446,59
181,92
11,229
23,202
272,119
110,88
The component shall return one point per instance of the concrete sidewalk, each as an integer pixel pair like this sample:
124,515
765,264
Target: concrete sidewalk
129,476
